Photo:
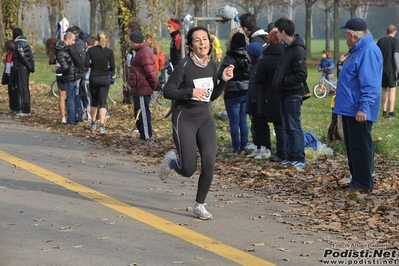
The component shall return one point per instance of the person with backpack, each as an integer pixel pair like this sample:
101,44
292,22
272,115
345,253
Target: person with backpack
101,61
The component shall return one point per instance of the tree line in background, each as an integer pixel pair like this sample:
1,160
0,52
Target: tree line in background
113,15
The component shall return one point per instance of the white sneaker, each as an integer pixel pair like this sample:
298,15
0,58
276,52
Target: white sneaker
164,168
23,114
200,212
251,146
263,154
63,120
254,153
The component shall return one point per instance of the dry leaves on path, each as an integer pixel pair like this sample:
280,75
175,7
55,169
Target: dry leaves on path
314,193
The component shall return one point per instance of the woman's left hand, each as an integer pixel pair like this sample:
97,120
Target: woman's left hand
228,73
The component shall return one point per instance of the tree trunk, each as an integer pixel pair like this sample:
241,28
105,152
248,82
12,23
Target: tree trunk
93,16
308,30
328,29
336,30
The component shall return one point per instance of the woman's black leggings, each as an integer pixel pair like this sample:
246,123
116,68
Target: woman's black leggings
194,128
99,88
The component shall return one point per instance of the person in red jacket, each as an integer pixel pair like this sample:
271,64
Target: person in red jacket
142,82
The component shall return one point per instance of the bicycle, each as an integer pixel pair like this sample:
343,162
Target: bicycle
320,90
54,89
163,78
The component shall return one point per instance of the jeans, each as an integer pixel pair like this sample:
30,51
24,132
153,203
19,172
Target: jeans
281,140
235,108
70,103
290,107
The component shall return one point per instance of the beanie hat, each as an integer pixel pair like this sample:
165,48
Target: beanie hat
254,50
137,36
238,41
16,32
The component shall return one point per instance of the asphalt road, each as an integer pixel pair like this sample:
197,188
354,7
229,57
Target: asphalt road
64,201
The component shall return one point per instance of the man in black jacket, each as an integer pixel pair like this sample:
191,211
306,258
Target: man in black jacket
67,69
23,64
288,82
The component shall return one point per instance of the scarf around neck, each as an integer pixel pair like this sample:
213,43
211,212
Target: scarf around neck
197,61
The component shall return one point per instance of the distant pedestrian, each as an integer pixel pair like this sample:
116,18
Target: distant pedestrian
235,92
358,101
10,78
289,83
389,47
326,66
24,64
175,43
142,81
101,61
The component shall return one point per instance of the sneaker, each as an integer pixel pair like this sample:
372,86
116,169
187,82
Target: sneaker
251,146
384,113
347,180
254,153
92,126
164,168
286,162
298,164
263,154
275,159
200,211
63,120
102,130
23,114
391,115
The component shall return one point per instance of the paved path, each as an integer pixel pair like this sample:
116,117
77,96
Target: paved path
67,202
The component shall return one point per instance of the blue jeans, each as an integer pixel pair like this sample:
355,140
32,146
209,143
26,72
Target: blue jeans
235,108
290,107
70,103
281,140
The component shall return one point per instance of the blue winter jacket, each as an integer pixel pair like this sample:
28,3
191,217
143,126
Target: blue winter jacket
359,82
326,65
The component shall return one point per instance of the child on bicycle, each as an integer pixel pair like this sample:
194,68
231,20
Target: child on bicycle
327,66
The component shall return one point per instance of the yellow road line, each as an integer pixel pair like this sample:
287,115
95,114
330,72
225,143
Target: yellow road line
169,227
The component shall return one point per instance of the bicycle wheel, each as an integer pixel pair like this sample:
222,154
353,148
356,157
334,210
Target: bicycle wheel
54,88
115,94
320,91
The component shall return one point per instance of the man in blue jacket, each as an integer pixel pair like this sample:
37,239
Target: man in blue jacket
358,101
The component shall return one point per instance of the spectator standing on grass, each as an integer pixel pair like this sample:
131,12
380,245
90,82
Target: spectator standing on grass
358,101
255,34
235,92
175,44
261,141
142,81
289,83
326,65
10,78
216,48
101,61
67,69
389,47
268,100
23,64
192,86
50,48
